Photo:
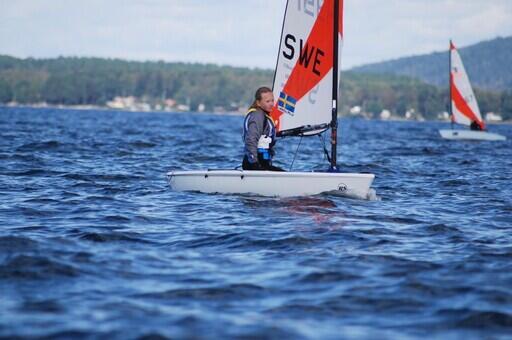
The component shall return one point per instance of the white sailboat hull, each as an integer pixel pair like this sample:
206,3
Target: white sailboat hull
470,135
271,183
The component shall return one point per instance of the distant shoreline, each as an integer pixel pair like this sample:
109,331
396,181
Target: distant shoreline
224,113
106,108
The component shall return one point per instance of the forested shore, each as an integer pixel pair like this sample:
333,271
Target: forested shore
158,86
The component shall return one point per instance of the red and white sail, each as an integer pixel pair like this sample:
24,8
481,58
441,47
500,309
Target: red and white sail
463,101
304,72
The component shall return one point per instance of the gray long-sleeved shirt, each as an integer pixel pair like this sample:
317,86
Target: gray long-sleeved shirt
256,124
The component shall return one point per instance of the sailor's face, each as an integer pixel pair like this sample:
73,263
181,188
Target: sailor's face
267,101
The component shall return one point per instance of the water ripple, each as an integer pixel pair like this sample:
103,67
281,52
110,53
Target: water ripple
94,244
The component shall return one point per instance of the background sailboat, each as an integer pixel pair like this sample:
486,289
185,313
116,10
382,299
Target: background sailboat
306,92
464,108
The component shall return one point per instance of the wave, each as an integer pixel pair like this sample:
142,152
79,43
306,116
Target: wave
13,244
35,146
35,267
108,237
232,291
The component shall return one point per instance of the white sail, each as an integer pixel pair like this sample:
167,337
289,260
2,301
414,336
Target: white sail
463,105
303,78
463,102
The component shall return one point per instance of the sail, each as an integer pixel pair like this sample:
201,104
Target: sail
304,72
463,101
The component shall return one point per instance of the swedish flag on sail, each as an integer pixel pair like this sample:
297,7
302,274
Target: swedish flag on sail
286,103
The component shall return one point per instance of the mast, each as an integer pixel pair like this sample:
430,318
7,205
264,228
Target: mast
334,120
450,82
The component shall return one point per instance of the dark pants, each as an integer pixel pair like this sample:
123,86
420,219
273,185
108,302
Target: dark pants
263,164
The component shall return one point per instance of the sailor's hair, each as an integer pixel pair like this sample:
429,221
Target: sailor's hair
257,96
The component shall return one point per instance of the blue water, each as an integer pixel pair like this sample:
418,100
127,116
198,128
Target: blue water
94,244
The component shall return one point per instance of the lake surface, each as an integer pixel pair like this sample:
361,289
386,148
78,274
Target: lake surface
94,244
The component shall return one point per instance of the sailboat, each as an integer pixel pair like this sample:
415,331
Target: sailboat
306,83
464,108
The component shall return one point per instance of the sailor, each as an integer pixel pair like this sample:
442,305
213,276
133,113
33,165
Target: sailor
260,133
475,125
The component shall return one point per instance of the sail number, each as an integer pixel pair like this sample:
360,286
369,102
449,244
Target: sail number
308,55
310,7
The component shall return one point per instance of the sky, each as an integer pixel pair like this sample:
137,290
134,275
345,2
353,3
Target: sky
238,32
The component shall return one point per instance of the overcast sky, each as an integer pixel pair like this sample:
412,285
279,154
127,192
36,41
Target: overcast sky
238,32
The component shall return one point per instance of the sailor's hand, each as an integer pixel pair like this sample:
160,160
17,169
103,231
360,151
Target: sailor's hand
264,142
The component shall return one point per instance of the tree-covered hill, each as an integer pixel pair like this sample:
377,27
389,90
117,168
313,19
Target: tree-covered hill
399,94
79,81
487,63
95,81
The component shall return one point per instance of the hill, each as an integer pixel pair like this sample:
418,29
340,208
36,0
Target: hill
95,81
199,87
487,63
